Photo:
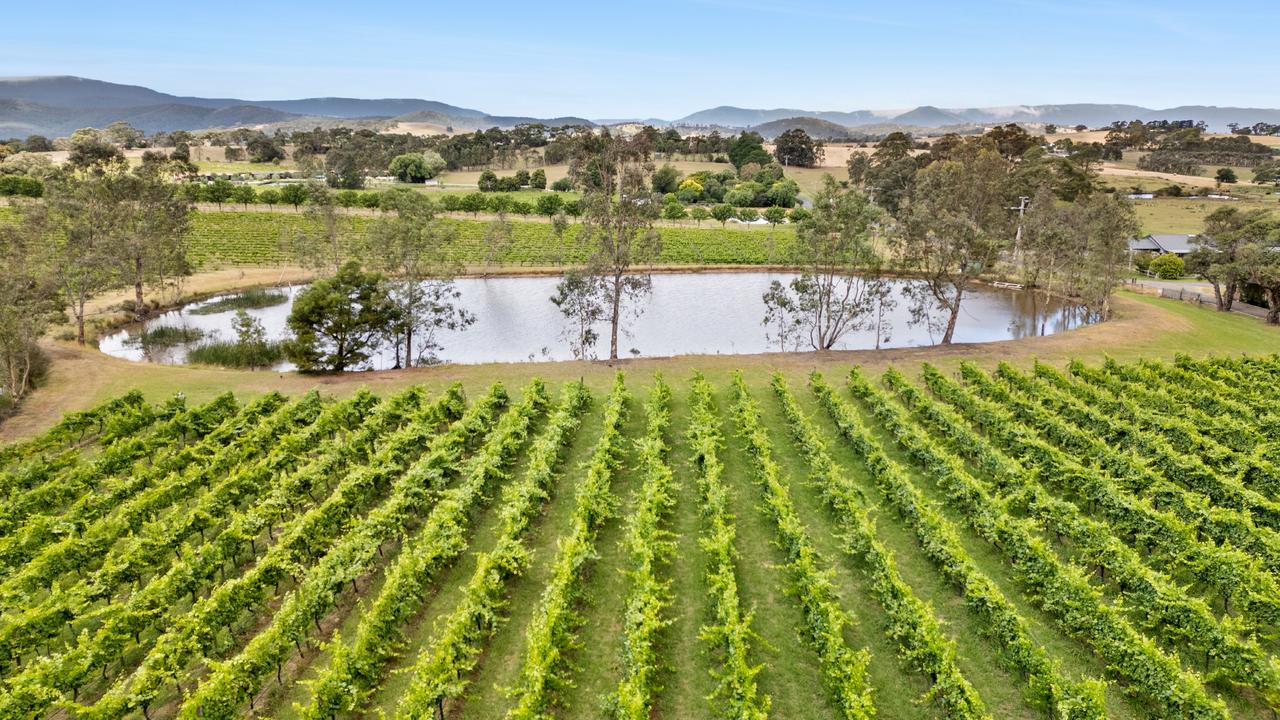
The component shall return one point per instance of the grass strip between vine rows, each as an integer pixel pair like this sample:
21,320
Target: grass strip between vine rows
1061,589
441,669
844,669
550,633
441,538
192,635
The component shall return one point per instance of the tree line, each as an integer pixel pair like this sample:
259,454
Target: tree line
94,230
946,217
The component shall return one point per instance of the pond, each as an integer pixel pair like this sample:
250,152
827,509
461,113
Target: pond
687,313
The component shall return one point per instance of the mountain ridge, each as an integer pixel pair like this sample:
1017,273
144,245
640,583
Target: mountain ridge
58,105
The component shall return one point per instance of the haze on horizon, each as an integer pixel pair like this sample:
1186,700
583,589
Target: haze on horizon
670,58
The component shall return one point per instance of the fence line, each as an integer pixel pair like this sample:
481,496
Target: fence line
1198,298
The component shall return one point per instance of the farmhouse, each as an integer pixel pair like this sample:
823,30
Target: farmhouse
1177,243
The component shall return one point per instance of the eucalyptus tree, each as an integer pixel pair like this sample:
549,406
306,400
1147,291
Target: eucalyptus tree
578,297
413,248
151,247
82,222
953,229
618,212
1219,256
320,245
29,303
838,291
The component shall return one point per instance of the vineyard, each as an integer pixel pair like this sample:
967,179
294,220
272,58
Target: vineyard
1039,542
231,238
262,238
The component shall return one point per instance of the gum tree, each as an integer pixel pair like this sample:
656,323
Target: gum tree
618,212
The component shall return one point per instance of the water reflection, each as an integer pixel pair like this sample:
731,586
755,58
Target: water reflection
688,313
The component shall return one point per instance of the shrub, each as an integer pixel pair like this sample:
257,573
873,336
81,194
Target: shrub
417,167
564,184
21,186
1168,266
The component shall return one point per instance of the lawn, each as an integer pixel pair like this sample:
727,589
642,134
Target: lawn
1180,215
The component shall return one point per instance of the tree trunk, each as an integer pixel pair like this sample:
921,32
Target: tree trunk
1273,306
613,319
139,305
408,344
1230,298
79,312
951,321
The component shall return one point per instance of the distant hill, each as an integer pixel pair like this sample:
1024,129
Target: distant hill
817,128
484,122
1090,114
928,116
76,92
356,108
19,118
729,116
57,106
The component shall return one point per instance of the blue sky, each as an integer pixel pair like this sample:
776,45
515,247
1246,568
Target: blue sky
666,59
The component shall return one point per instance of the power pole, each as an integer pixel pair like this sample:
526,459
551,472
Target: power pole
1017,238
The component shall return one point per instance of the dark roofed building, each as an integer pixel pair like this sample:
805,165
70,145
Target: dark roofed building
1176,243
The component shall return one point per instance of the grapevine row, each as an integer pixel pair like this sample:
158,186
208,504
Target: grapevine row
1221,398
42,683
843,668
731,635
1181,620
1150,393
1061,589
440,540
1189,470
72,428
74,554
126,422
194,633
157,541
551,631
1261,396
910,621
1182,435
1226,525
1235,575
440,672
26,520
650,546
1047,686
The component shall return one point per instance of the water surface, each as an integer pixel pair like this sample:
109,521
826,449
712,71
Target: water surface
687,313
